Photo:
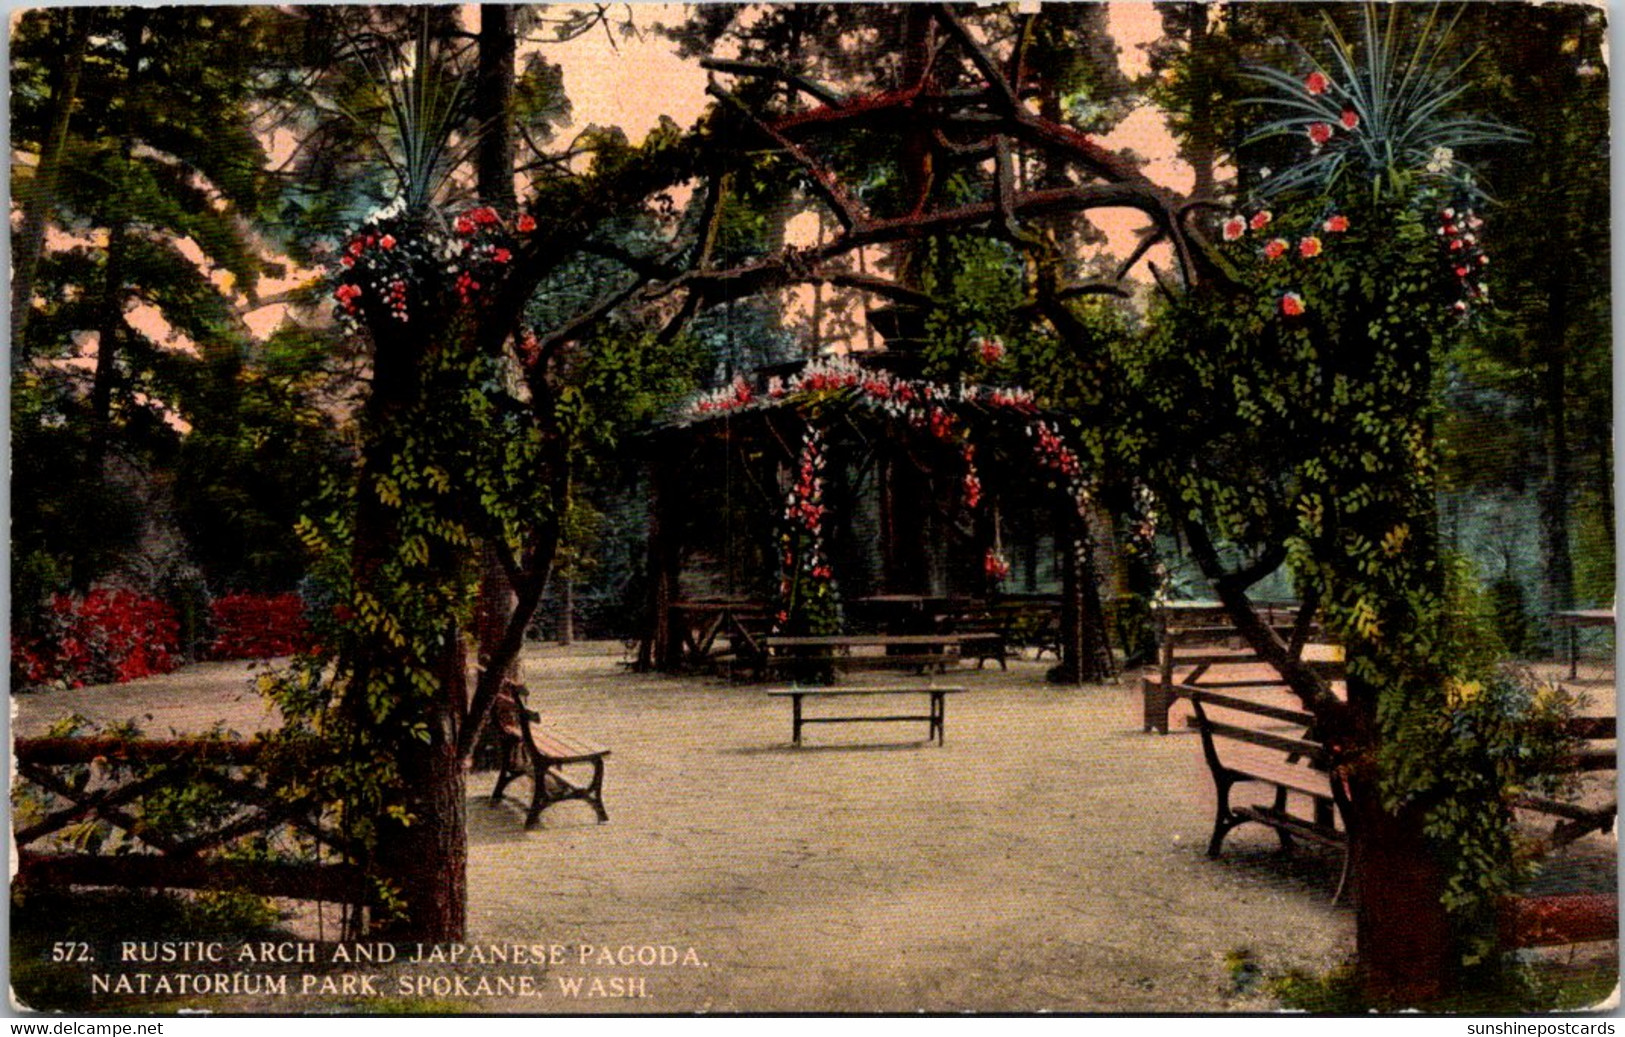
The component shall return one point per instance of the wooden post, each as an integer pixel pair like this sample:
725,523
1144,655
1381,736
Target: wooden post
662,648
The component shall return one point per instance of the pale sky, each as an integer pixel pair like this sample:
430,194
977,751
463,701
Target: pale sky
638,79
631,81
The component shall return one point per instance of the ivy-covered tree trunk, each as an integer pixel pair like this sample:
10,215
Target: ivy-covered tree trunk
427,859
405,693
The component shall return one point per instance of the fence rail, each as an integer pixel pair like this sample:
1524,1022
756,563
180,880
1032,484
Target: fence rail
122,792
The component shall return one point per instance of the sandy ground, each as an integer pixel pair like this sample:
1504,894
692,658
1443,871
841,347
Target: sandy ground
1049,857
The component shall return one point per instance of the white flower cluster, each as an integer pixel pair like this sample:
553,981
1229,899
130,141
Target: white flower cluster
386,212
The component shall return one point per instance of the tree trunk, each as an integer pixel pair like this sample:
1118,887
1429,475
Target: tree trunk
662,647
427,860
110,318
567,611
493,99
1086,655
1407,952
1555,483
37,196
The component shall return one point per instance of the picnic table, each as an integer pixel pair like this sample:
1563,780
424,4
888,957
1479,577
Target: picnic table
935,718
738,621
1573,620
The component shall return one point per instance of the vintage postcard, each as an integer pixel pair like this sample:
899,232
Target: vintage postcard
875,509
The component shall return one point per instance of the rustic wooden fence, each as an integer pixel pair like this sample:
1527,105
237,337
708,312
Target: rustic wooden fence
173,814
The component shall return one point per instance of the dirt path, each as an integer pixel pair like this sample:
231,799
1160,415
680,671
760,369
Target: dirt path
1049,857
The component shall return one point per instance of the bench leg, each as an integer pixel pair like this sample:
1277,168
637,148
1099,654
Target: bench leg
539,798
1223,820
1157,703
595,791
506,772
1280,808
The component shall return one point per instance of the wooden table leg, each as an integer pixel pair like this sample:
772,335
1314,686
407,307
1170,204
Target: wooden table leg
795,719
938,715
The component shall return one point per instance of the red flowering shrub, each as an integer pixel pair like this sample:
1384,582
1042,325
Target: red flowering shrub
258,626
108,636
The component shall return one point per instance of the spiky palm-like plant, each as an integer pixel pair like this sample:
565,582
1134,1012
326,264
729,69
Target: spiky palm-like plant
1380,112
426,103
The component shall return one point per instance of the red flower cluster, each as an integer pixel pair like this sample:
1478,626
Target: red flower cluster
105,637
1235,228
991,350
995,565
731,397
1054,453
1459,232
258,626
394,260
973,482
347,294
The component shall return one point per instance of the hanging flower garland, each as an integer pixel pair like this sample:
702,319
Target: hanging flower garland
807,581
1459,229
807,592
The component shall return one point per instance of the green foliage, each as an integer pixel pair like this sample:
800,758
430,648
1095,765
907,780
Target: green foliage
1310,386
1510,990
1381,114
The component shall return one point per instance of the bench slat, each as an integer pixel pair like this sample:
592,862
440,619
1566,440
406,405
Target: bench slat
841,690
1295,825
1263,709
1298,778
1269,740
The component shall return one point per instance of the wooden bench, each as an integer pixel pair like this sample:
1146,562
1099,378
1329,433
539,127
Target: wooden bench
907,651
1216,667
934,718
1287,763
530,749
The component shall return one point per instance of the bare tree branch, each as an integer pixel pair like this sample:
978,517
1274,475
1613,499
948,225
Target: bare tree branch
847,208
762,71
